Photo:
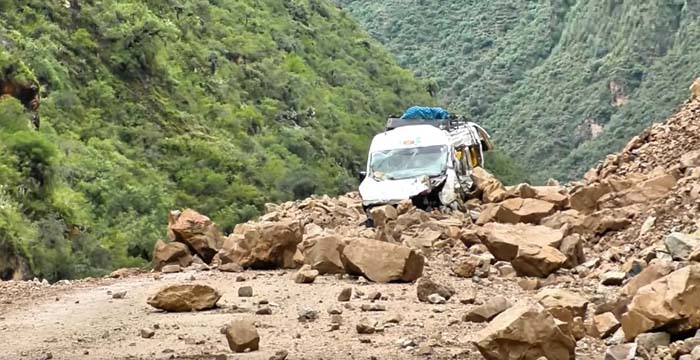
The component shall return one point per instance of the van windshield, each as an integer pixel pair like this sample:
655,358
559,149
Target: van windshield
408,163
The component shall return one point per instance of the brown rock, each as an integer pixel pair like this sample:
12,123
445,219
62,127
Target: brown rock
529,284
563,304
469,266
147,333
170,253
606,220
305,275
651,273
382,262
604,325
231,267
672,302
488,310
572,248
323,254
691,159
571,220
196,231
528,210
345,294
366,326
525,332
381,214
491,189
169,269
242,336
585,199
265,245
503,240
426,287
185,297
538,261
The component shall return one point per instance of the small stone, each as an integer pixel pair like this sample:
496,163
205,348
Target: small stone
336,319
488,310
426,287
529,283
240,278
621,352
375,295
393,319
119,295
373,307
468,296
365,326
242,335
265,310
280,355
245,291
147,333
425,350
345,294
436,299
305,275
335,310
651,341
362,281
307,315
169,269
613,278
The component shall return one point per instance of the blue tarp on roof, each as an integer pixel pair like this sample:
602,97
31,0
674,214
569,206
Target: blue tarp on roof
425,113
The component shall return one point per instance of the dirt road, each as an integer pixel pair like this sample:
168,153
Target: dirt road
84,322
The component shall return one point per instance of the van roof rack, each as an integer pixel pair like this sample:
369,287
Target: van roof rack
443,124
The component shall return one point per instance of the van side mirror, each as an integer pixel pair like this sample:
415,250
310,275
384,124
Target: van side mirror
361,175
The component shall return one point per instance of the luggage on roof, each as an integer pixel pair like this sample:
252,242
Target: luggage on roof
425,113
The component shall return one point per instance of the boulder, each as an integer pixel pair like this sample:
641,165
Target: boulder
671,302
681,246
585,199
525,332
490,188
527,210
691,159
642,192
536,260
472,265
426,287
496,212
606,220
572,248
382,262
571,220
242,336
604,325
503,240
651,341
651,273
170,253
563,304
305,275
488,310
323,254
265,245
185,297
196,231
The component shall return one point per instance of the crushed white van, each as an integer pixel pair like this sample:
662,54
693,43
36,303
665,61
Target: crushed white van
426,161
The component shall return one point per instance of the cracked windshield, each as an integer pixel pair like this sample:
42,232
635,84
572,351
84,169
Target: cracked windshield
409,163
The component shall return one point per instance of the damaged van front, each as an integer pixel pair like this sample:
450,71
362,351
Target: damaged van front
410,163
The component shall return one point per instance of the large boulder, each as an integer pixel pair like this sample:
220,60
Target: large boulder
525,332
382,262
572,248
170,253
323,254
585,199
196,231
503,240
265,245
680,245
528,210
671,303
563,304
640,193
185,298
537,260
571,220
490,188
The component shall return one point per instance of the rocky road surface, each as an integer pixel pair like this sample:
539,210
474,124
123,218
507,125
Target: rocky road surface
83,321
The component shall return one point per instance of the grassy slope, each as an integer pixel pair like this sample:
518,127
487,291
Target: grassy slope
218,105
538,73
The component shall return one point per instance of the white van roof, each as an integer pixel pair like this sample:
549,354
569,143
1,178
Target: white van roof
409,137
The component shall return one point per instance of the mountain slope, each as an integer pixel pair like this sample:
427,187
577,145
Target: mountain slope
148,106
561,83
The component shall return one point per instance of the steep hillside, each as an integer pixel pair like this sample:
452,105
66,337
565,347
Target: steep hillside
148,106
561,83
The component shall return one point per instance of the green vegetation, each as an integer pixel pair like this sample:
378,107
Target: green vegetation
543,75
218,105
